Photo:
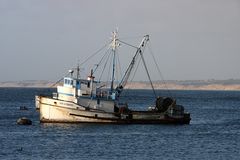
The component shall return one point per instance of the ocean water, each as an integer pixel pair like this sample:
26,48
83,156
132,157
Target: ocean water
213,133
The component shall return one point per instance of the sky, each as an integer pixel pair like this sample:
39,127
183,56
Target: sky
191,39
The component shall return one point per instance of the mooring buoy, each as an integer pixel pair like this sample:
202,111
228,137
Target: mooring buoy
24,121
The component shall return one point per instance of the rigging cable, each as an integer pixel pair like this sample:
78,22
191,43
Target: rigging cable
119,68
95,53
145,66
159,72
109,69
100,61
128,44
131,37
109,53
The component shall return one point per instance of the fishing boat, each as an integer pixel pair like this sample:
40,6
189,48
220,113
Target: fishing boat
80,100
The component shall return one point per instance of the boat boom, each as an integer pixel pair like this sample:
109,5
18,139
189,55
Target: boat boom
125,78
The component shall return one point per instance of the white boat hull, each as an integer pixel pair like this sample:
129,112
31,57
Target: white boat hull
58,111
53,110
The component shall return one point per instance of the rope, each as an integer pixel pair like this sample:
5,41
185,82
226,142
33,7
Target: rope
109,53
128,44
95,53
158,69
101,61
145,66
119,69
131,37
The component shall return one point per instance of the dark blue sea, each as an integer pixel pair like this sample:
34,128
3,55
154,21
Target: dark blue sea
213,133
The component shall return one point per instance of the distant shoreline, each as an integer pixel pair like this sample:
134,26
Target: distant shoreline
170,84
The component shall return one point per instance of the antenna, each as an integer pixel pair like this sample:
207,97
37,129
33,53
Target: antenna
114,43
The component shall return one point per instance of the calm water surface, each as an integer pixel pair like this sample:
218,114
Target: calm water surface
214,132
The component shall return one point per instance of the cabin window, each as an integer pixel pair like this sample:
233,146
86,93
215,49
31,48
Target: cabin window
88,84
68,81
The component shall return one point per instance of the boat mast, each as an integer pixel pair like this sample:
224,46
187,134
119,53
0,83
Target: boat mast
77,82
91,79
78,70
114,46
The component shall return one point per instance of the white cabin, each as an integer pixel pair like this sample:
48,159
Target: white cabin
73,88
